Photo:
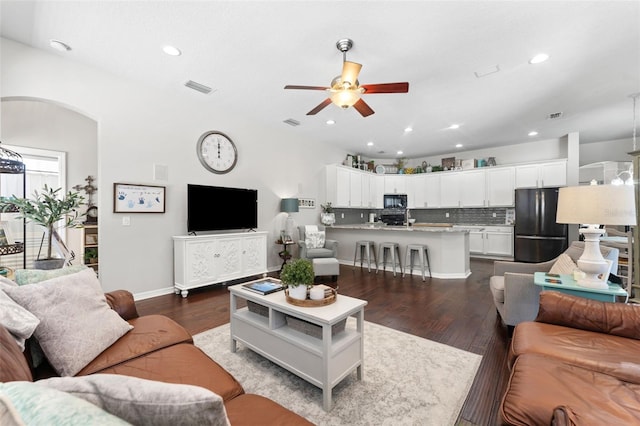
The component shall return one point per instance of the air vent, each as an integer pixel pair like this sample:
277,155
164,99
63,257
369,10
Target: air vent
554,115
292,122
198,87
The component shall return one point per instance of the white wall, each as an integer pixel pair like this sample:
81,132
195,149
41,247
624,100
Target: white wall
548,149
139,126
596,152
45,125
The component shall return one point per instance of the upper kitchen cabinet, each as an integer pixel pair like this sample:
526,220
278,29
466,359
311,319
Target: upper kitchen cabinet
500,186
542,175
351,188
424,191
395,184
462,189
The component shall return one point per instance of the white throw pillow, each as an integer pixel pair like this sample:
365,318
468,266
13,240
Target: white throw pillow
20,322
564,265
314,239
29,403
145,402
76,323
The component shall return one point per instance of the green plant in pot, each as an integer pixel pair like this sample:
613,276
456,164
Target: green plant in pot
91,256
46,209
298,277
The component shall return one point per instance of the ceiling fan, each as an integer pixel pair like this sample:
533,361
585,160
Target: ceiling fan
345,89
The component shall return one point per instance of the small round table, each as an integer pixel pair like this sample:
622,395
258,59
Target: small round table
284,253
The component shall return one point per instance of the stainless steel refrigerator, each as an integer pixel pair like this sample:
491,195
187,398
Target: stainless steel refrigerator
537,236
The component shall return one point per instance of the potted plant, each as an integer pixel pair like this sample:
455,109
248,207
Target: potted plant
91,256
327,217
298,277
46,209
400,163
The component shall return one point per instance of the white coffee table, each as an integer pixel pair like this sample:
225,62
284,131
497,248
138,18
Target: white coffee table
322,361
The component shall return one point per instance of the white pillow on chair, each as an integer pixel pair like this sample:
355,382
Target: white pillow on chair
314,239
564,265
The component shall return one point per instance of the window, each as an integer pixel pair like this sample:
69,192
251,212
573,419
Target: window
42,167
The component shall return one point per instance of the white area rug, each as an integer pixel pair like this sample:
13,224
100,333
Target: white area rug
407,380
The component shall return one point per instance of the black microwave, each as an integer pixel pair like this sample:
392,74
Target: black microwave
395,201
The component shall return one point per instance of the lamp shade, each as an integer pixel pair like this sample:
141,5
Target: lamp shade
289,205
597,204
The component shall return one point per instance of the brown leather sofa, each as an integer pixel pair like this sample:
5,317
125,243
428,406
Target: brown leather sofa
157,348
577,364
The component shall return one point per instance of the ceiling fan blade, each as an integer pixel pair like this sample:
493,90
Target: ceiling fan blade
350,71
362,107
306,87
386,88
319,107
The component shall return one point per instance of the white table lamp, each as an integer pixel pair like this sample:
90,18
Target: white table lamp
595,205
289,205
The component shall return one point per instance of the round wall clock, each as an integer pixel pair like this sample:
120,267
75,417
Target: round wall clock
217,152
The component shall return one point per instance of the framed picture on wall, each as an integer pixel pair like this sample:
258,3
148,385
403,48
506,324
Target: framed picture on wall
132,198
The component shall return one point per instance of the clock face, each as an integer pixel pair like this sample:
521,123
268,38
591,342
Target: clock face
217,152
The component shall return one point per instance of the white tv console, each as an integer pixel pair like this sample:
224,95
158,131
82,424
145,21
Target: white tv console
201,260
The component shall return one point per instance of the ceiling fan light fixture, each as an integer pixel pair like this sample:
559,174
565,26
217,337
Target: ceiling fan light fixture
345,98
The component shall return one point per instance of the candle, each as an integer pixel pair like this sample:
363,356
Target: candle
316,293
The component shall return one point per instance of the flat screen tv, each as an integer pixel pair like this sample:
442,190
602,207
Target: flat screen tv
217,208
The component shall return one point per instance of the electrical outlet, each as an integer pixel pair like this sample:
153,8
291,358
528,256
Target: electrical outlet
361,215
446,214
342,215
494,215
126,220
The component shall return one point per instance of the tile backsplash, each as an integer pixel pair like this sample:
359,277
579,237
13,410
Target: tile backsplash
478,216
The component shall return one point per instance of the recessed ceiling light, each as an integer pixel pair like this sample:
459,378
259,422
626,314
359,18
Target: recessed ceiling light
540,57
369,143
400,152
59,46
331,122
408,129
533,133
454,126
171,51
458,145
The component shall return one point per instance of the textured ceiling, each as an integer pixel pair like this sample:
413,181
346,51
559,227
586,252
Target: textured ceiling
248,51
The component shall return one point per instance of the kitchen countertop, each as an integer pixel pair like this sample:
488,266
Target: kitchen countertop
415,228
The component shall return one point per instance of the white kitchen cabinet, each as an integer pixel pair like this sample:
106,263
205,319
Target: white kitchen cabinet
432,190
344,186
424,191
491,241
500,187
355,189
476,242
372,196
498,241
209,259
376,191
472,188
462,189
541,175
449,189
395,184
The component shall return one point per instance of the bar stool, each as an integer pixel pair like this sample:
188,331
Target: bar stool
393,249
423,253
365,247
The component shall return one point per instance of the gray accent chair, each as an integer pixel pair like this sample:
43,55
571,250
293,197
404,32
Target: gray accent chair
330,248
516,296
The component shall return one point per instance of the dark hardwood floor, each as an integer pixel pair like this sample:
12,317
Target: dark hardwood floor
458,313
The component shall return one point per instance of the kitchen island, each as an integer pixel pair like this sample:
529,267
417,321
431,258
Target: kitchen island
448,246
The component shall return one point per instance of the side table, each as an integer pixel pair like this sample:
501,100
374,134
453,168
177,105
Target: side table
568,285
284,254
